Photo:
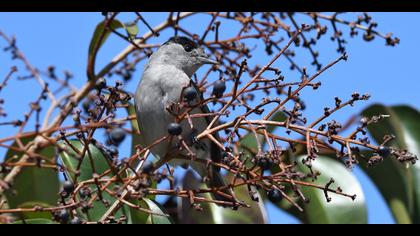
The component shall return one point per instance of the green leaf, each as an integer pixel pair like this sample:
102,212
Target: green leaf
136,139
411,128
35,222
71,159
156,208
256,214
390,178
341,210
158,216
286,205
137,216
37,214
100,28
132,29
249,142
399,185
213,214
99,37
33,183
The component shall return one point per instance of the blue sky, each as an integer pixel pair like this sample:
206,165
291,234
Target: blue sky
389,74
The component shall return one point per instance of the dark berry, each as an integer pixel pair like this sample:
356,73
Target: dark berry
219,88
127,76
302,105
265,163
100,84
147,168
174,129
68,187
64,194
75,221
63,215
383,151
86,105
117,135
190,93
274,195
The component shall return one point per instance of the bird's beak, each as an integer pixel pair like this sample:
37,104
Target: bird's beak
207,60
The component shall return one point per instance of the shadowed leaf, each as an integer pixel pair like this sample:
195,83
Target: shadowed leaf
341,210
399,185
140,217
100,28
33,183
36,214
71,161
35,222
213,214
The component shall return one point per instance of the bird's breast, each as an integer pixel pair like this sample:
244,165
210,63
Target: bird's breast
159,88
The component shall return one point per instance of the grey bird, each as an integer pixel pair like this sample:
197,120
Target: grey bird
166,75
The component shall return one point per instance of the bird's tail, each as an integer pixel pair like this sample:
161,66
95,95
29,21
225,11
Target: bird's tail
216,181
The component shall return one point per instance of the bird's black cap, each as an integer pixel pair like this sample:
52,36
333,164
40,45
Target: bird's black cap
185,42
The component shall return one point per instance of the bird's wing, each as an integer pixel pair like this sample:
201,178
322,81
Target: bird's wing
216,179
215,152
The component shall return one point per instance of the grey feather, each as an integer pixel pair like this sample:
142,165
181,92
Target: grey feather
168,71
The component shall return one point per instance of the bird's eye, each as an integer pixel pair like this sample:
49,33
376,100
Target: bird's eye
188,48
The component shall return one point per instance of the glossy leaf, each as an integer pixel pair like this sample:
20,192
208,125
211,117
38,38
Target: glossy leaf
137,216
341,210
390,178
141,217
213,214
399,185
156,219
35,222
37,214
33,183
71,160
99,30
